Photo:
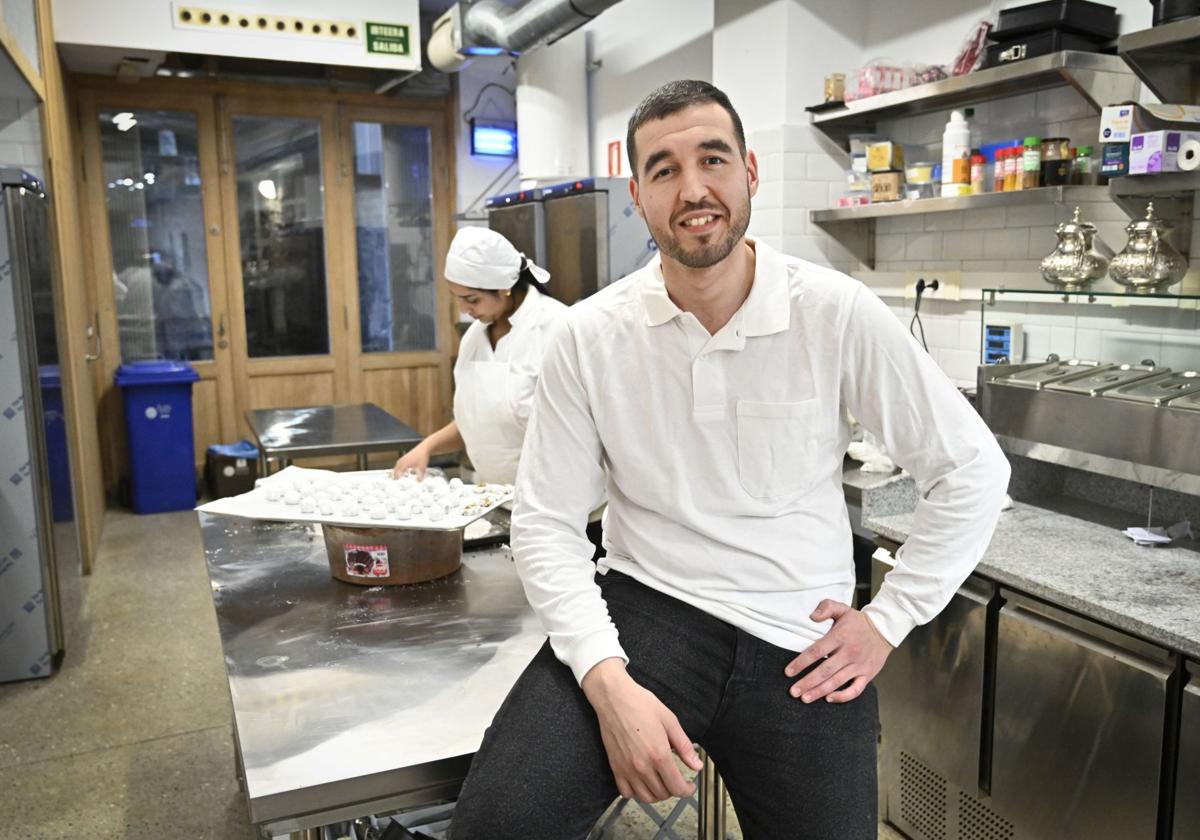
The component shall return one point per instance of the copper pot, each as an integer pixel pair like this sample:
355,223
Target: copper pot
385,556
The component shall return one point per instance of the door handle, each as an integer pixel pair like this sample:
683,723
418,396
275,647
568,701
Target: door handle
221,342
93,333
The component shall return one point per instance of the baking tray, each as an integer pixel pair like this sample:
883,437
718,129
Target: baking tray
492,529
1094,384
377,490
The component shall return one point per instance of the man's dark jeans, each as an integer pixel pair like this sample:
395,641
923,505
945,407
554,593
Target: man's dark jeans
794,771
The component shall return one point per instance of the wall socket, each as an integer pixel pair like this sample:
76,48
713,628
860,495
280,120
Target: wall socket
949,284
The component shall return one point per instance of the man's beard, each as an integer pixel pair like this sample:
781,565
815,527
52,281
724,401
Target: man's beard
708,255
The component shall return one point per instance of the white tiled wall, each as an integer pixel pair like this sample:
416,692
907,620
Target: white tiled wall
799,170
1169,336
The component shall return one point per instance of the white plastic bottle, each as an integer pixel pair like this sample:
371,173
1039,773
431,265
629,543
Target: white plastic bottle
956,157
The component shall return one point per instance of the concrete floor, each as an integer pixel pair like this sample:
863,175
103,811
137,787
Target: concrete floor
131,738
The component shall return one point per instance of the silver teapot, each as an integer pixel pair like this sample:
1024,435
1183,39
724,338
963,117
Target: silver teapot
1148,263
1074,264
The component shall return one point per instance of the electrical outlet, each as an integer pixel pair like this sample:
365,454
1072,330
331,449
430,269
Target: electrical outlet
949,284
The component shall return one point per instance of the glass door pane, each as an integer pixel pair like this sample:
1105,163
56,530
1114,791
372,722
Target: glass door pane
156,225
393,210
280,206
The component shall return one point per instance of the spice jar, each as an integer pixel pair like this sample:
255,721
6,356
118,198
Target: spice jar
1012,169
1031,164
998,170
978,185
1083,169
1056,161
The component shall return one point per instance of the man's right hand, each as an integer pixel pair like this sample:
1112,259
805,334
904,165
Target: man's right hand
416,458
639,735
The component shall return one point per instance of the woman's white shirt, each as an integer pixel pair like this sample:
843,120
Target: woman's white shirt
494,387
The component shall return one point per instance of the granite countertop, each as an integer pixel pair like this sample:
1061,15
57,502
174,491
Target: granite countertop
854,480
1074,555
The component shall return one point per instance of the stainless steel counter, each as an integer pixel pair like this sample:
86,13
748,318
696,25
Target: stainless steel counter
317,430
351,700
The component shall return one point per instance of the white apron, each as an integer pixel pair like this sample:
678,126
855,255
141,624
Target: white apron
486,420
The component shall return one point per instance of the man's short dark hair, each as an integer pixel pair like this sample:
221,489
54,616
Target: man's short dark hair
672,98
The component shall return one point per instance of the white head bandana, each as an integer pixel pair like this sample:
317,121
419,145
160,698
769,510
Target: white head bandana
480,258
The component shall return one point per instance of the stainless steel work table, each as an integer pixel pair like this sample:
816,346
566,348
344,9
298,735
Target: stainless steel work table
316,430
349,701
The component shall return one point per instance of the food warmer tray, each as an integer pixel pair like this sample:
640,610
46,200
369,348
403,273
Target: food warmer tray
1039,377
1093,384
1157,390
1190,402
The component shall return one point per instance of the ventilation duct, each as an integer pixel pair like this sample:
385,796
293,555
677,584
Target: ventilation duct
491,27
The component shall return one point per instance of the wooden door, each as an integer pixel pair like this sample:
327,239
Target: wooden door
396,172
285,234
158,251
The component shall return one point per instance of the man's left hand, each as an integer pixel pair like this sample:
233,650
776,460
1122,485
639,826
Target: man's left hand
853,652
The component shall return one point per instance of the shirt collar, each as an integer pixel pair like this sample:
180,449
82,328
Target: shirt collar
525,311
766,310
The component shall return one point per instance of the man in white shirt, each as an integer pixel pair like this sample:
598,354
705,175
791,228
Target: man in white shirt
707,394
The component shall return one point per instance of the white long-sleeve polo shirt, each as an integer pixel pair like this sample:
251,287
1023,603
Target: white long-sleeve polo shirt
722,459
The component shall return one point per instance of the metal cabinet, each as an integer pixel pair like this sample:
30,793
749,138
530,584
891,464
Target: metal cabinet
1078,732
931,711
1187,780
521,219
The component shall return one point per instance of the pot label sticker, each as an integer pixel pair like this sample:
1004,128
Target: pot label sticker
367,561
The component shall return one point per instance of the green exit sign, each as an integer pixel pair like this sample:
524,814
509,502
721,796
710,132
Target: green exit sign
387,38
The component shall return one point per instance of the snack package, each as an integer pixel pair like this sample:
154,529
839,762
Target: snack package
970,55
920,74
881,75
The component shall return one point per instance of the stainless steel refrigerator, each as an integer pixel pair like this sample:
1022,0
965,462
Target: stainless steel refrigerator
39,543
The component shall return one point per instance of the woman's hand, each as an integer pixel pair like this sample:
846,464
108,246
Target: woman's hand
416,458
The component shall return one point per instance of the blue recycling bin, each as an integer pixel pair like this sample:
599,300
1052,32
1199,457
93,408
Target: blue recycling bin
158,429
58,461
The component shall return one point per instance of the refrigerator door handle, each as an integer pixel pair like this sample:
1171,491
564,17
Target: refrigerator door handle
93,333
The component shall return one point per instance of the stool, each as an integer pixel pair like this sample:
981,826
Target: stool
708,802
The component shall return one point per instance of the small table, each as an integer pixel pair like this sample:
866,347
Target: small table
316,430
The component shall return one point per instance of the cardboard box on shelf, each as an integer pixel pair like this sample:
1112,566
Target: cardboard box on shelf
885,156
1118,123
1115,160
1158,151
887,186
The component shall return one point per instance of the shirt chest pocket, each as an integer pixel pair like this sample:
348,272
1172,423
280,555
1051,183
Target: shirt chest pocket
778,446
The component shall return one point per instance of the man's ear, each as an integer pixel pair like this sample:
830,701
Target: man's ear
752,173
633,193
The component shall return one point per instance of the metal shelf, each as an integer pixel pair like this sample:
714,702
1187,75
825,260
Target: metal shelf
1169,185
1164,300
1167,59
913,207
1173,195
854,227
1099,79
